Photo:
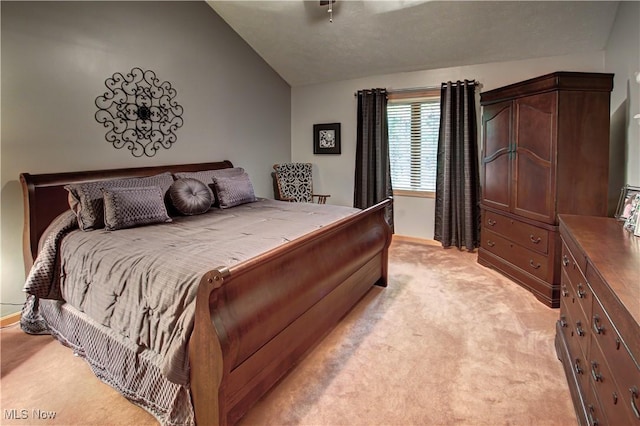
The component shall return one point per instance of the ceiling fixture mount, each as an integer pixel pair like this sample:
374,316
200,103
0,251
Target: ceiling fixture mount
330,9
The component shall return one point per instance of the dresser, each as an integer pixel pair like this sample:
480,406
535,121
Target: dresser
545,151
598,330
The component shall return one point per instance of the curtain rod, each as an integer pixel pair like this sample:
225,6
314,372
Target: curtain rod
369,90
415,89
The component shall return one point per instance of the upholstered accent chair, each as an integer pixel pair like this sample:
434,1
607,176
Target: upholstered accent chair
294,182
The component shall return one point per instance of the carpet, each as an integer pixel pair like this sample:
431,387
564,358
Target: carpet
448,342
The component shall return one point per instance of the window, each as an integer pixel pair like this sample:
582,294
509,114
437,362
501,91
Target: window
413,122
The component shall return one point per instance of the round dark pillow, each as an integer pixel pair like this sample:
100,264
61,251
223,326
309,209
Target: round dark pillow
190,196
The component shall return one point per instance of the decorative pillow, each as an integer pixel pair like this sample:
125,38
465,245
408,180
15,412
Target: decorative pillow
129,207
86,200
207,176
190,196
233,190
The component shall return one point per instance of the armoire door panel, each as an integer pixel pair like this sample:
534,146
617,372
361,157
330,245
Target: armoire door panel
496,155
497,128
495,185
533,188
535,131
534,167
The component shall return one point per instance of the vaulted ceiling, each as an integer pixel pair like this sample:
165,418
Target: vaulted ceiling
373,37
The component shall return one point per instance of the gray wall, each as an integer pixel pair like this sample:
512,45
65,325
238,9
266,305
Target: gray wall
622,58
56,57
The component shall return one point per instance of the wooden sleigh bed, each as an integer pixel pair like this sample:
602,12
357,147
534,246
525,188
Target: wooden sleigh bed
237,351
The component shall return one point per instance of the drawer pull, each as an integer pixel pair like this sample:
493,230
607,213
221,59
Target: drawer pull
592,420
634,395
534,266
594,372
576,366
491,222
565,260
535,240
565,292
579,329
490,243
596,325
581,292
562,321
615,398
618,343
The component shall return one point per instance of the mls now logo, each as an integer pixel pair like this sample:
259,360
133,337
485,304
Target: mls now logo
24,414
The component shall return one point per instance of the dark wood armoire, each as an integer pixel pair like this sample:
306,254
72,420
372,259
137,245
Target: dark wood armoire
545,152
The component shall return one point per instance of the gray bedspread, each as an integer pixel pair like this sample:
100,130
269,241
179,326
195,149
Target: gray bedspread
142,282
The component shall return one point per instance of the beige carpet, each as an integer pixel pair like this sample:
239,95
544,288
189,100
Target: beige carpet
448,342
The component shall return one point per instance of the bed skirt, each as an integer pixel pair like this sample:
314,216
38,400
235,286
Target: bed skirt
136,375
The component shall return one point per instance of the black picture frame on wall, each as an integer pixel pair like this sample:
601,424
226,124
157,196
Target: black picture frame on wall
326,138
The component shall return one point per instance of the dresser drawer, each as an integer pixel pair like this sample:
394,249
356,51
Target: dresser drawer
577,344
573,248
627,376
603,381
611,343
625,325
572,271
526,235
529,261
595,415
623,368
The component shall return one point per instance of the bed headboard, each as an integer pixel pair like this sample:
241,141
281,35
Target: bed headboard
44,196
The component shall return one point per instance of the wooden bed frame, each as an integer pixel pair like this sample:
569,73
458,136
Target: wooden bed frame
255,320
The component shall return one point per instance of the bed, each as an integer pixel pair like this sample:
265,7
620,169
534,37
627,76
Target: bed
252,320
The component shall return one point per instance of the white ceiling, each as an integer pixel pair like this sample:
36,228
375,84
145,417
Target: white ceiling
373,37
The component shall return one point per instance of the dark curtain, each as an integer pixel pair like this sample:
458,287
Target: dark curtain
457,220
373,168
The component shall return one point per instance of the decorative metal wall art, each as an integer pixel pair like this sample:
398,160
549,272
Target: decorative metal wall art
140,112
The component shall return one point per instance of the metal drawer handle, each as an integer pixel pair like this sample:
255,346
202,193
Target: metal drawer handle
592,420
565,260
594,372
490,243
535,240
581,292
565,292
576,366
562,321
596,325
579,329
634,395
534,266
491,222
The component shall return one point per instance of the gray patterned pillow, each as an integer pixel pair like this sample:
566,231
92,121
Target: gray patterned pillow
233,190
86,199
190,196
206,176
129,207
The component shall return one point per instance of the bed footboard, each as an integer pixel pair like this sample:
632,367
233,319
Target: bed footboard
255,321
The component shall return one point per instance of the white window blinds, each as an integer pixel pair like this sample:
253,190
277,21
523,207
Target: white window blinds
413,125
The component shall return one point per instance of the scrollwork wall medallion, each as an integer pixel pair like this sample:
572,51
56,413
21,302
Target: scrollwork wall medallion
140,112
